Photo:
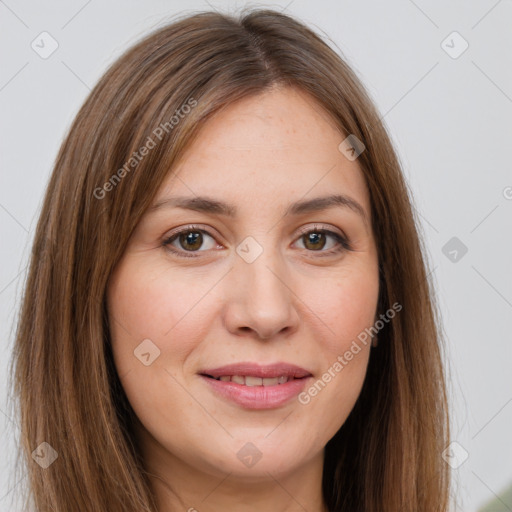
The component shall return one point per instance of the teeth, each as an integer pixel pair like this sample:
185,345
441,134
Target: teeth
255,381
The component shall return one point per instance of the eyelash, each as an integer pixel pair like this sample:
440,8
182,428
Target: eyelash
343,243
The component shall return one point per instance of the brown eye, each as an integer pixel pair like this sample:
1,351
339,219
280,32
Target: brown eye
314,241
323,241
188,241
191,240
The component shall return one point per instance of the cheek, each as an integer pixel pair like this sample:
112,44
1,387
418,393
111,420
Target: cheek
347,306
153,302
149,302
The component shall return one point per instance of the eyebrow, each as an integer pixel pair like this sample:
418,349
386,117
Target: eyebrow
209,205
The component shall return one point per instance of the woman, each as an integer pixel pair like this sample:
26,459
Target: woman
227,305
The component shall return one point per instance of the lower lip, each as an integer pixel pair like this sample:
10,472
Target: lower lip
258,397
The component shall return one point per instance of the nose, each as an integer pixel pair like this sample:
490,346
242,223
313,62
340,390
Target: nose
260,298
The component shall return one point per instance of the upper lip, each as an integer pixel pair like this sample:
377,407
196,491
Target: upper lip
258,370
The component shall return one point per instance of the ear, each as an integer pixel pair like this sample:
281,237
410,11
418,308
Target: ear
375,341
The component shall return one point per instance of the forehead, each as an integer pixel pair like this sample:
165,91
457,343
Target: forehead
269,149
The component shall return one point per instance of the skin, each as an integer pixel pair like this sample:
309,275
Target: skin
290,305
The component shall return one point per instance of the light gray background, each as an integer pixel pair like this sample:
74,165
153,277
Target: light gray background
450,121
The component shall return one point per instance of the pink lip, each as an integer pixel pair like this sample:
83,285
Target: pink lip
257,370
258,397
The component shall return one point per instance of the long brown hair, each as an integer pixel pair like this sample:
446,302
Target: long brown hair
387,455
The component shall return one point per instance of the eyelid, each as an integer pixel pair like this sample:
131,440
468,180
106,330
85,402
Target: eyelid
203,228
319,227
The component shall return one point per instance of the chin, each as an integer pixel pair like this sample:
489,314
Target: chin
259,458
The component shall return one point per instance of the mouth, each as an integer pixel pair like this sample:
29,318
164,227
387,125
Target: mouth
250,380
254,386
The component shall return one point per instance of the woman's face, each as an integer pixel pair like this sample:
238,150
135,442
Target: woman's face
258,292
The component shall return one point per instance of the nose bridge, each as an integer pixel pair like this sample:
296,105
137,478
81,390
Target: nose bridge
262,276
264,301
